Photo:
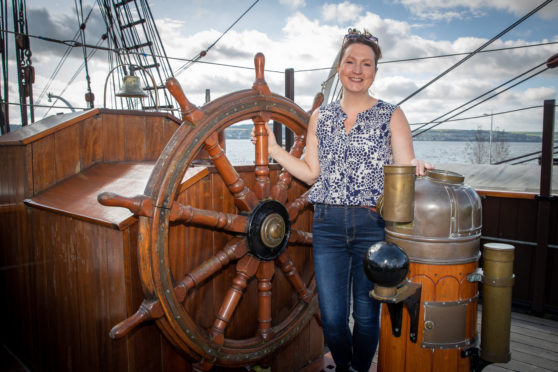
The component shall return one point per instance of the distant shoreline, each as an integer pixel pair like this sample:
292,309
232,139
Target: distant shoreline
242,131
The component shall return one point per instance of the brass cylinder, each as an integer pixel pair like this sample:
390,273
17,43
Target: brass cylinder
397,204
497,286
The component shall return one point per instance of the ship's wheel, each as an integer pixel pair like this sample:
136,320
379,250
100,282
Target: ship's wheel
260,235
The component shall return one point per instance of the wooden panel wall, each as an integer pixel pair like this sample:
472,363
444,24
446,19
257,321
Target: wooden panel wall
56,150
516,219
65,282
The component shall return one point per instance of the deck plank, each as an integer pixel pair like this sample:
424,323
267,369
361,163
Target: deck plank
534,347
533,344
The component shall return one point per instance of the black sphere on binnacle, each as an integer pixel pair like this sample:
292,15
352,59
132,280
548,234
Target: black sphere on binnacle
385,264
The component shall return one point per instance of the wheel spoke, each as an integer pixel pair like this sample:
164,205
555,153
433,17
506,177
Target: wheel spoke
298,205
288,267
212,219
151,309
300,237
285,178
264,275
262,187
245,269
245,199
234,250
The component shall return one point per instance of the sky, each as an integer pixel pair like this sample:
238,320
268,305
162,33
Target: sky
306,35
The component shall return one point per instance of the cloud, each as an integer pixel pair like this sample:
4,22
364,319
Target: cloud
309,44
341,13
293,4
438,10
63,27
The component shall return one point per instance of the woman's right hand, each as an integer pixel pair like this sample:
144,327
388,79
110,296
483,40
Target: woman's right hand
271,140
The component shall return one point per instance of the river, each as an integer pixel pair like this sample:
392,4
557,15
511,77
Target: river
241,151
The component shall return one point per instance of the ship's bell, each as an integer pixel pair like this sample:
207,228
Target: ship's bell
131,88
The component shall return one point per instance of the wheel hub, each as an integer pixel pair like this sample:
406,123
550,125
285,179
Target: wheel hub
268,230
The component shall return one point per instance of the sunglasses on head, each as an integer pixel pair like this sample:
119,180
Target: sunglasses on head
353,33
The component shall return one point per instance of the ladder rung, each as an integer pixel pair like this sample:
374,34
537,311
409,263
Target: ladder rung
132,24
158,107
158,87
149,43
151,66
123,2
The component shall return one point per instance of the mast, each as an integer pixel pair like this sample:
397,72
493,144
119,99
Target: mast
4,107
25,71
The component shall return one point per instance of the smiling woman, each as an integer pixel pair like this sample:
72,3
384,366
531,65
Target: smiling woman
347,144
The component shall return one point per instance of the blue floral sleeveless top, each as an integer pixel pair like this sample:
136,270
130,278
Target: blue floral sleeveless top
352,164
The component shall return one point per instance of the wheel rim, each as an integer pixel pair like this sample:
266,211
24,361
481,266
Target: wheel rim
181,329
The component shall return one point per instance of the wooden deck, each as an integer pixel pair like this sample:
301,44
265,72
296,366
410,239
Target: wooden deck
534,347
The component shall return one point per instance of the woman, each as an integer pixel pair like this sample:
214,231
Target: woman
348,142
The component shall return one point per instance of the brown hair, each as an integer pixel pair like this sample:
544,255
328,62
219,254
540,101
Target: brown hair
360,39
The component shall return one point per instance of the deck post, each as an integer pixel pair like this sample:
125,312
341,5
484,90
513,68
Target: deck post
540,263
289,93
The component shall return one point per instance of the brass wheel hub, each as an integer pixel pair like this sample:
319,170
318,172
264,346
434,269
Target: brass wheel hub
272,231
268,230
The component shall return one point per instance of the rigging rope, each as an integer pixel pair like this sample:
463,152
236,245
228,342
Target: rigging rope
482,116
486,99
61,62
79,69
482,95
81,21
204,52
76,44
478,50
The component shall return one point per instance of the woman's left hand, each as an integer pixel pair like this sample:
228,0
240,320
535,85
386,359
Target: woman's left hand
421,166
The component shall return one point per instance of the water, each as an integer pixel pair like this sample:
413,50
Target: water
241,151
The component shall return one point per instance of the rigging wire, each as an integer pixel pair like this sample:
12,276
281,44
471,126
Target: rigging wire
204,52
482,116
76,44
477,50
438,56
47,106
76,74
61,62
484,100
482,95
524,156
81,21
83,44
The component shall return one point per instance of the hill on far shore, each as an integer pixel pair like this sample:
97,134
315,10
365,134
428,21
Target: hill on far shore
242,131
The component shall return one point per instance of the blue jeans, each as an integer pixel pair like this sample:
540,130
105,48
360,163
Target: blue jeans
341,238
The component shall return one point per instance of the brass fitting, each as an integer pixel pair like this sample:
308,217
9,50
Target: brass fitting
498,279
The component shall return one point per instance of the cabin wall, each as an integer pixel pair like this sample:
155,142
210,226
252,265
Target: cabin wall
516,219
41,155
65,282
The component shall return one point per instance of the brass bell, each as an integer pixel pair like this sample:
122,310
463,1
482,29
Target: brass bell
131,88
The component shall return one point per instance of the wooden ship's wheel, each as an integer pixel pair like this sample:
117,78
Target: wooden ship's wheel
260,238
